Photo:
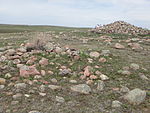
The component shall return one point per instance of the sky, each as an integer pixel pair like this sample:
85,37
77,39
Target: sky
75,13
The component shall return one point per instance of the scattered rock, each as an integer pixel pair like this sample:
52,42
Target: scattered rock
124,89
54,87
50,72
42,94
125,72
73,81
60,99
11,52
105,53
100,85
49,46
43,62
22,50
102,60
43,72
134,66
94,54
1,109
25,71
37,77
14,102
135,46
8,75
116,104
58,50
54,80
2,49
143,77
119,46
135,96
104,77
2,87
65,72
93,77
81,88
34,112
20,86
17,96
42,88
87,71
2,81
16,61
89,82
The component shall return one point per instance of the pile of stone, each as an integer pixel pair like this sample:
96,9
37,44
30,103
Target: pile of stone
121,27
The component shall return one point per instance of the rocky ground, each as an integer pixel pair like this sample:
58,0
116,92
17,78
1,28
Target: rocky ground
74,71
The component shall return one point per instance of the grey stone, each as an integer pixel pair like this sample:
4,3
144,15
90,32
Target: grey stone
135,96
116,104
22,49
1,109
126,72
73,81
81,88
11,52
49,46
8,75
2,49
42,88
34,112
14,102
60,99
143,77
54,87
17,96
124,89
2,87
106,53
100,85
20,86
134,66
64,72
104,77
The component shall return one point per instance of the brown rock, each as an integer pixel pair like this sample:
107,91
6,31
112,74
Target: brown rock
93,77
43,62
102,60
28,70
2,81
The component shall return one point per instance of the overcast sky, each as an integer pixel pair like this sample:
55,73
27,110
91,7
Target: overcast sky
78,13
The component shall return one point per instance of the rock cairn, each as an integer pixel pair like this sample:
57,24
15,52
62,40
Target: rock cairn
121,27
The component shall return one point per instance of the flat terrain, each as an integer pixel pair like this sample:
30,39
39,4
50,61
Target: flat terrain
33,97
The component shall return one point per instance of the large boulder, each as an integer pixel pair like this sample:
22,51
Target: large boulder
135,96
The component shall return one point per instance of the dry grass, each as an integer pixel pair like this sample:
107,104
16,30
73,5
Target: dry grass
38,41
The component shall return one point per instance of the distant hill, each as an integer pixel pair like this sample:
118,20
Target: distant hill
6,28
121,27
